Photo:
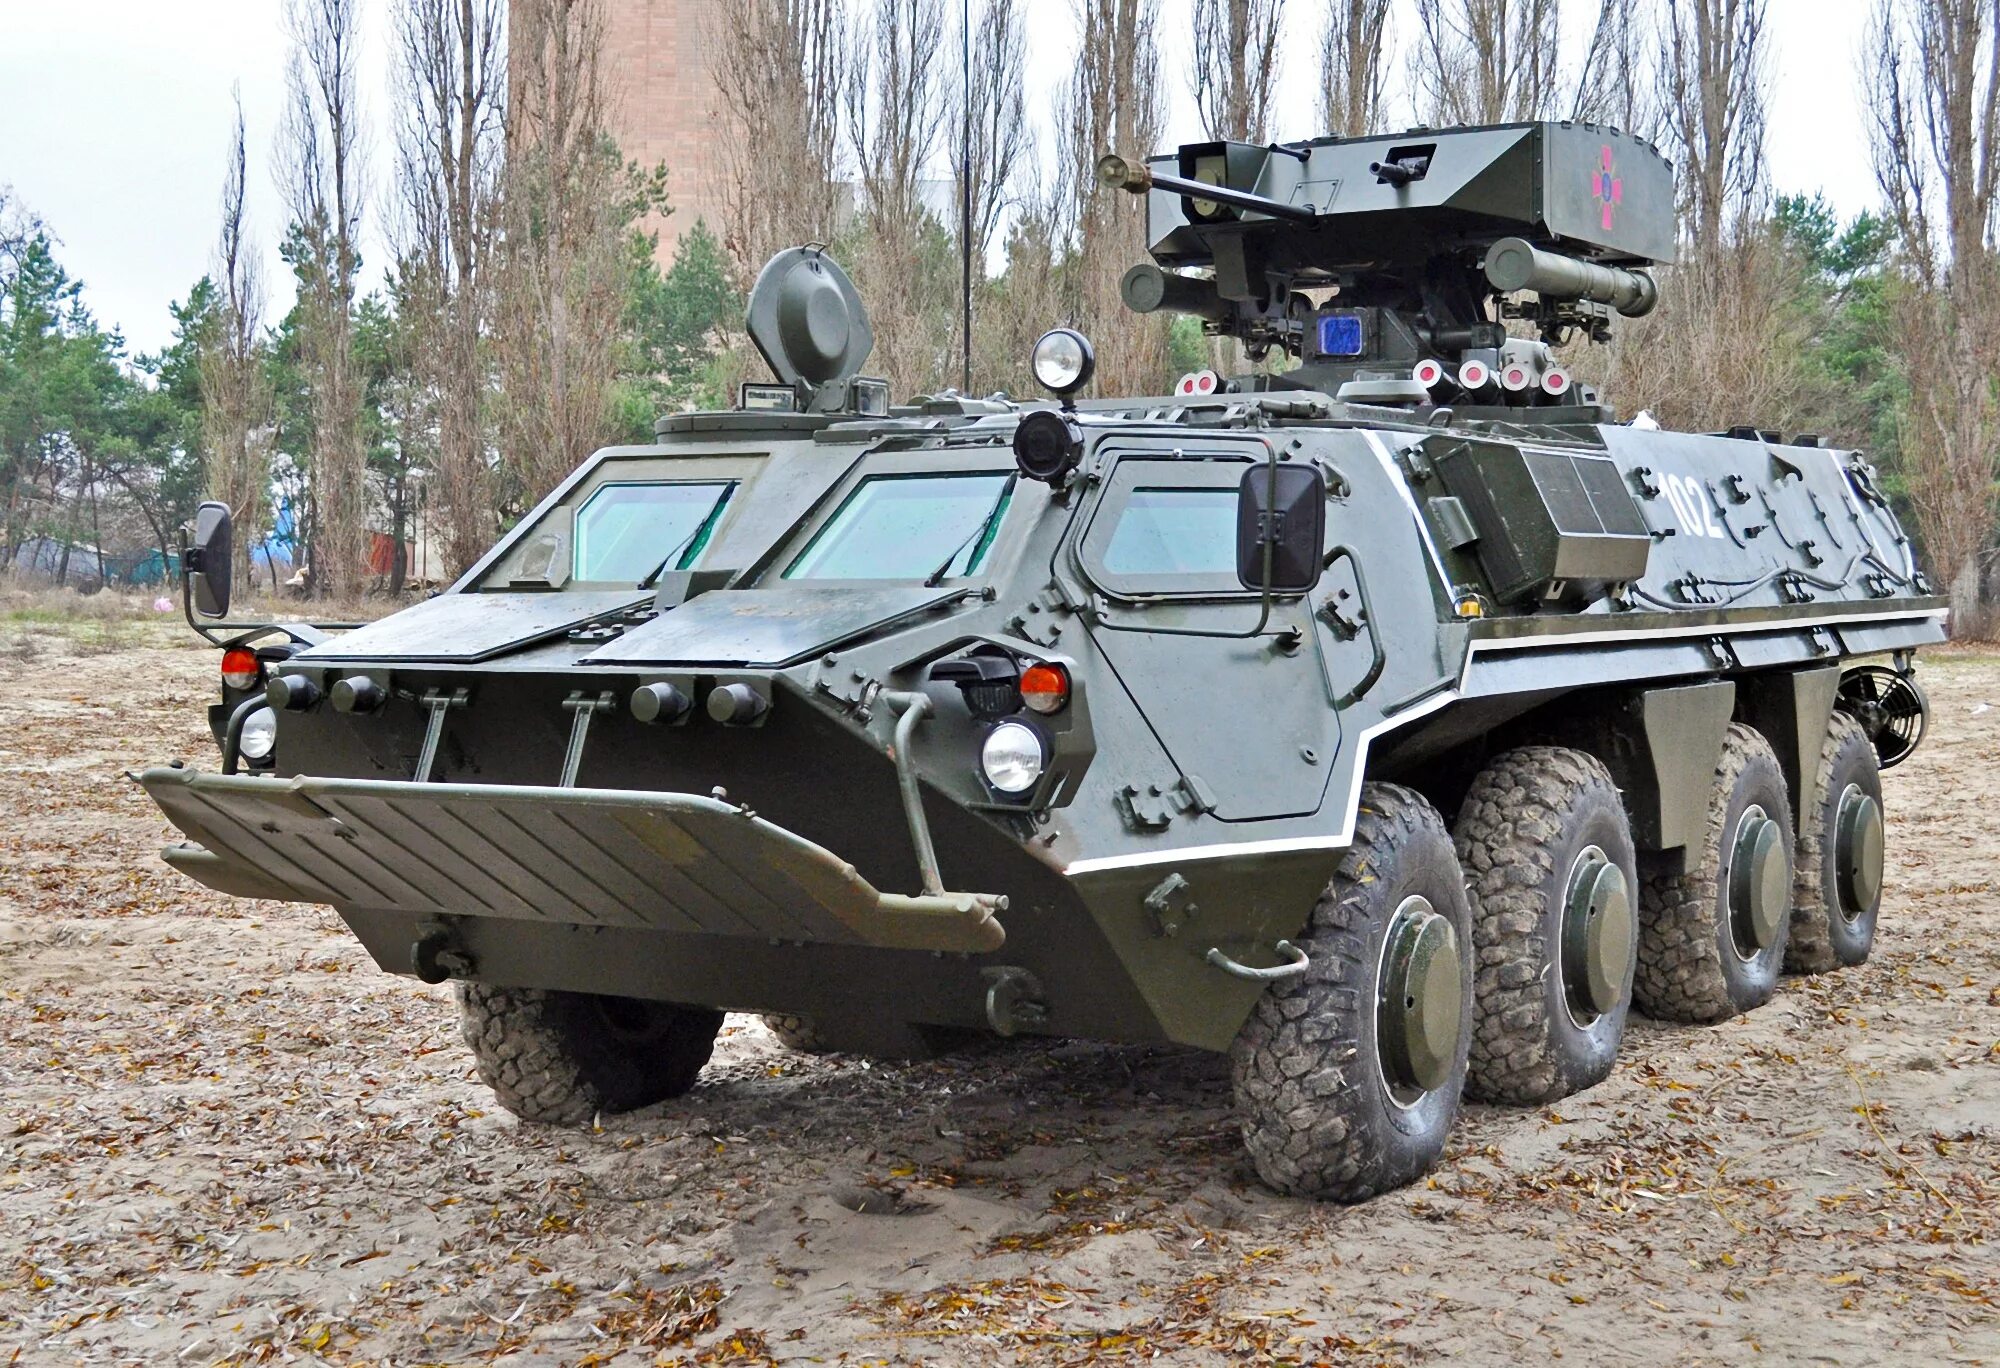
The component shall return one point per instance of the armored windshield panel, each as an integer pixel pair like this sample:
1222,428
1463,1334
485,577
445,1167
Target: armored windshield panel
464,628
767,627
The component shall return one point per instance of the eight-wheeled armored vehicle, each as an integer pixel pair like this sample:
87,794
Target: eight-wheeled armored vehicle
1395,722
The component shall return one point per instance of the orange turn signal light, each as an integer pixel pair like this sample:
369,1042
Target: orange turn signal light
239,668
1045,688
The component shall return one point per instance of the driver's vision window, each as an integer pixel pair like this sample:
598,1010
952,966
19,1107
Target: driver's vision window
921,527
1174,532
631,532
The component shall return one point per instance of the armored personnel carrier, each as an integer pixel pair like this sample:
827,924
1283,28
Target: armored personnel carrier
1396,722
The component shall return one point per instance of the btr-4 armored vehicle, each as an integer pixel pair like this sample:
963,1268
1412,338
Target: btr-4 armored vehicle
1395,722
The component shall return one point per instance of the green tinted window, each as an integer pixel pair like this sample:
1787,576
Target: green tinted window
908,527
627,531
1175,532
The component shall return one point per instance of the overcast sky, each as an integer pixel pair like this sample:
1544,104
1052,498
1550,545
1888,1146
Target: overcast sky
115,118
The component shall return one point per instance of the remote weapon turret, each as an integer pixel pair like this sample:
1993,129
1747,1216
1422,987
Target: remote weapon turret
1389,265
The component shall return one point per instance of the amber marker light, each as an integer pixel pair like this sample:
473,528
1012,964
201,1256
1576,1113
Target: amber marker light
239,667
1045,688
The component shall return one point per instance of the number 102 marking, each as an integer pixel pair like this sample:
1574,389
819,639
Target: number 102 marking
1692,506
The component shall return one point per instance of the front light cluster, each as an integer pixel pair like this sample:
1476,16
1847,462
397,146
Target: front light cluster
259,736
1013,758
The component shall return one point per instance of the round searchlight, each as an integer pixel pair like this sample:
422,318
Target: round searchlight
1012,758
1063,361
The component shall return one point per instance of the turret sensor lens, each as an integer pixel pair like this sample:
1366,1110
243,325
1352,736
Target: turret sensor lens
1047,446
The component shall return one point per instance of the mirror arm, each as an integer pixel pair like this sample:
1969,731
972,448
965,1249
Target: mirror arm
188,556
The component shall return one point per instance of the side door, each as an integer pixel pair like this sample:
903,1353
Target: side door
1247,720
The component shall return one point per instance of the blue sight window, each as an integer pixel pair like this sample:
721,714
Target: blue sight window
1340,334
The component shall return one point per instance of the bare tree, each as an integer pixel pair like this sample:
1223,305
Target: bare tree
1350,66
1114,106
1033,293
781,70
1712,98
894,122
235,390
1235,65
997,105
894,114
1611,85
1735,320
568,210
451,68
1933,65
1934,69
322,176
1486,61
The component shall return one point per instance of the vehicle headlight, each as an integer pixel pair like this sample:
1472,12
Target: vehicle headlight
1063,360
259,736
1012,757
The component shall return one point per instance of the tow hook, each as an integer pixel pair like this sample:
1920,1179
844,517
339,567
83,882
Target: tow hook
436,956
1013,999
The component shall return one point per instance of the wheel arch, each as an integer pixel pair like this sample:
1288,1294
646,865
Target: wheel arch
1662,746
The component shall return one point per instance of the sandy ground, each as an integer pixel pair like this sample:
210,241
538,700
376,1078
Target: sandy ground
225,1137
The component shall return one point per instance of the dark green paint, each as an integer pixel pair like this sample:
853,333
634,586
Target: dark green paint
1598,931
1759,884
1419,999
1858,851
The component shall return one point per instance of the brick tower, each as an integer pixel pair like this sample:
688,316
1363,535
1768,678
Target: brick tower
663,102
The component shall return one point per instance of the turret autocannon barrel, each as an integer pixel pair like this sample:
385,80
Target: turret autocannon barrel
1136,178
1516,264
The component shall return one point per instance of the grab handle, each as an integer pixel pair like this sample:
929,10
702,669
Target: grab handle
1296,964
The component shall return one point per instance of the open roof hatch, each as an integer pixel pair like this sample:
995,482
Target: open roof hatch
809,324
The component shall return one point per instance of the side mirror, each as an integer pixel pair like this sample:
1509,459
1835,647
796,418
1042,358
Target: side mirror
1281,527
207,563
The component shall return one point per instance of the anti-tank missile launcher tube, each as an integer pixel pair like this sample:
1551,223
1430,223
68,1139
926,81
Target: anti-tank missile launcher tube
1147,289
1516,264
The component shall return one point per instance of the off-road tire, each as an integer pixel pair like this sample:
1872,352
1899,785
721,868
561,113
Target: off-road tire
1687,969
1318,1118
1527,819
564,1058
795,1032
1821,938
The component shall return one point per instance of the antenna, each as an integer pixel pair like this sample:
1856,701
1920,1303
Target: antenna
965,192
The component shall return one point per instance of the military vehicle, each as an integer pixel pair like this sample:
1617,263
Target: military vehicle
1395,720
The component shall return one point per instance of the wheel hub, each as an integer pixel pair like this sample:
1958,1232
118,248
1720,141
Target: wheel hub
1857,851
1759,882
1597,932
1419,1006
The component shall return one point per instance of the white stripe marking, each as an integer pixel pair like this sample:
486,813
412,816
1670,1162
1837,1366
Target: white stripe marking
1345,837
